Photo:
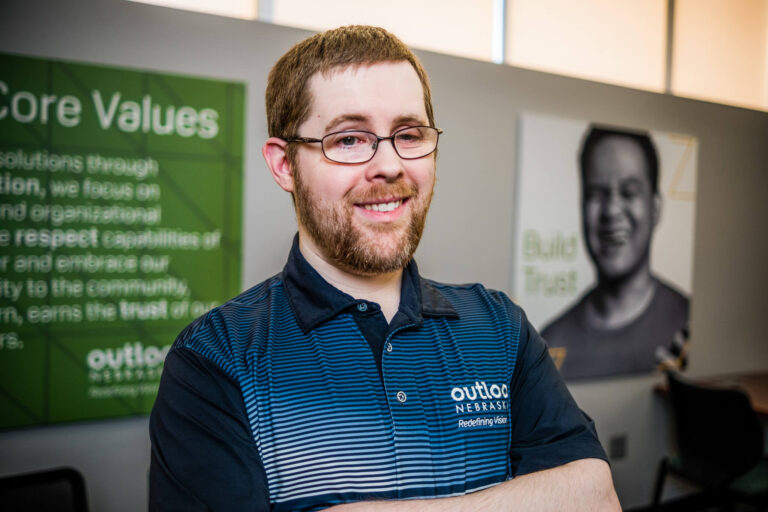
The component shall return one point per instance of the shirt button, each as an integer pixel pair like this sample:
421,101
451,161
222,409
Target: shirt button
362,306
401,397
389,347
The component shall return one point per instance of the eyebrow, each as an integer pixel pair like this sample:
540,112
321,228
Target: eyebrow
344,117
408,118
632,180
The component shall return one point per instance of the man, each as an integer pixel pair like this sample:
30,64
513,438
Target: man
631,321
348,380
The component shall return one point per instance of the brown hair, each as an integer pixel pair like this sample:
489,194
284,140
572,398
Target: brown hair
288,99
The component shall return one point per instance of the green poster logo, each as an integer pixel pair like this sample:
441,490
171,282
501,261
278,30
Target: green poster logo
120,222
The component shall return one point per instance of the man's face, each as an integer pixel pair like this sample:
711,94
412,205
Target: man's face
619,207
367,218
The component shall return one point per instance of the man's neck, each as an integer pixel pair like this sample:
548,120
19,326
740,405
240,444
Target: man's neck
383,289
616,303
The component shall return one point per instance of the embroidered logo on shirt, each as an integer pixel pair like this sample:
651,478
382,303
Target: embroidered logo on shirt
491,401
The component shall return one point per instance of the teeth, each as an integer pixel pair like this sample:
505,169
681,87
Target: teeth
383,207
616,237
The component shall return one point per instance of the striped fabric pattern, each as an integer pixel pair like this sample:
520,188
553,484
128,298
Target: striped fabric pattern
328,431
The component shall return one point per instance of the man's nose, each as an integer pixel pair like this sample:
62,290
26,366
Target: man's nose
612,204
386,164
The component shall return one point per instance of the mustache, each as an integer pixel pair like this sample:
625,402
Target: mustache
378,191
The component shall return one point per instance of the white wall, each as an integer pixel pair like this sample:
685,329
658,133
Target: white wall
469,233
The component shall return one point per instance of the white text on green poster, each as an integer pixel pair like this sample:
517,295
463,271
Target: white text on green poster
120,222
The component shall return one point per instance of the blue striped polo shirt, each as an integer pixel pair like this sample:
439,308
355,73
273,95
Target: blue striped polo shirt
276,401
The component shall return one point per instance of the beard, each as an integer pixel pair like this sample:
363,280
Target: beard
377,249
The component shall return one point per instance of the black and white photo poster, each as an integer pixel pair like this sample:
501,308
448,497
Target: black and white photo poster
604,243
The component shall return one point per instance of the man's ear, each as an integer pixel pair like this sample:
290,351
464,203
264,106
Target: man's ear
277,161
657,203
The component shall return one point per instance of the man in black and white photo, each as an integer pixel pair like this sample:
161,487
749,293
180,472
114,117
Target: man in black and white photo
631,320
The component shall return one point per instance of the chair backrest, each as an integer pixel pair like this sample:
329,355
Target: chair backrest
718,434
61,489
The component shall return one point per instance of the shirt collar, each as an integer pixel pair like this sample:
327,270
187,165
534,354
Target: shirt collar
315,301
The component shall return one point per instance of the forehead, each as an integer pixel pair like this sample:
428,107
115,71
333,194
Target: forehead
617,158
373,93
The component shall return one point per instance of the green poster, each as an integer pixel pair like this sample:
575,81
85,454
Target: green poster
120,222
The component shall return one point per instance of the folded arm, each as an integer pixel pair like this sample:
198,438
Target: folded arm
577,486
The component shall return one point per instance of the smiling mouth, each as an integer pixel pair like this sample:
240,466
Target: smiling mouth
388,206
615,237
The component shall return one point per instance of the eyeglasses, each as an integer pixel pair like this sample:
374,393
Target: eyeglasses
358,147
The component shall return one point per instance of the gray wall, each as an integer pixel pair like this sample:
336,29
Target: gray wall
469,234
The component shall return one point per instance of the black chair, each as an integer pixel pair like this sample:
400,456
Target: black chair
54,490
719,445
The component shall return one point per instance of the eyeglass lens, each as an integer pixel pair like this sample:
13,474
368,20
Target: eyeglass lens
360,146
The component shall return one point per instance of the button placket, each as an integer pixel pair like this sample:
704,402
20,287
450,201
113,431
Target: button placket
396,389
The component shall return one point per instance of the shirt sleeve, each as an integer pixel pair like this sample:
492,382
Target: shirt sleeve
203,453
548,428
